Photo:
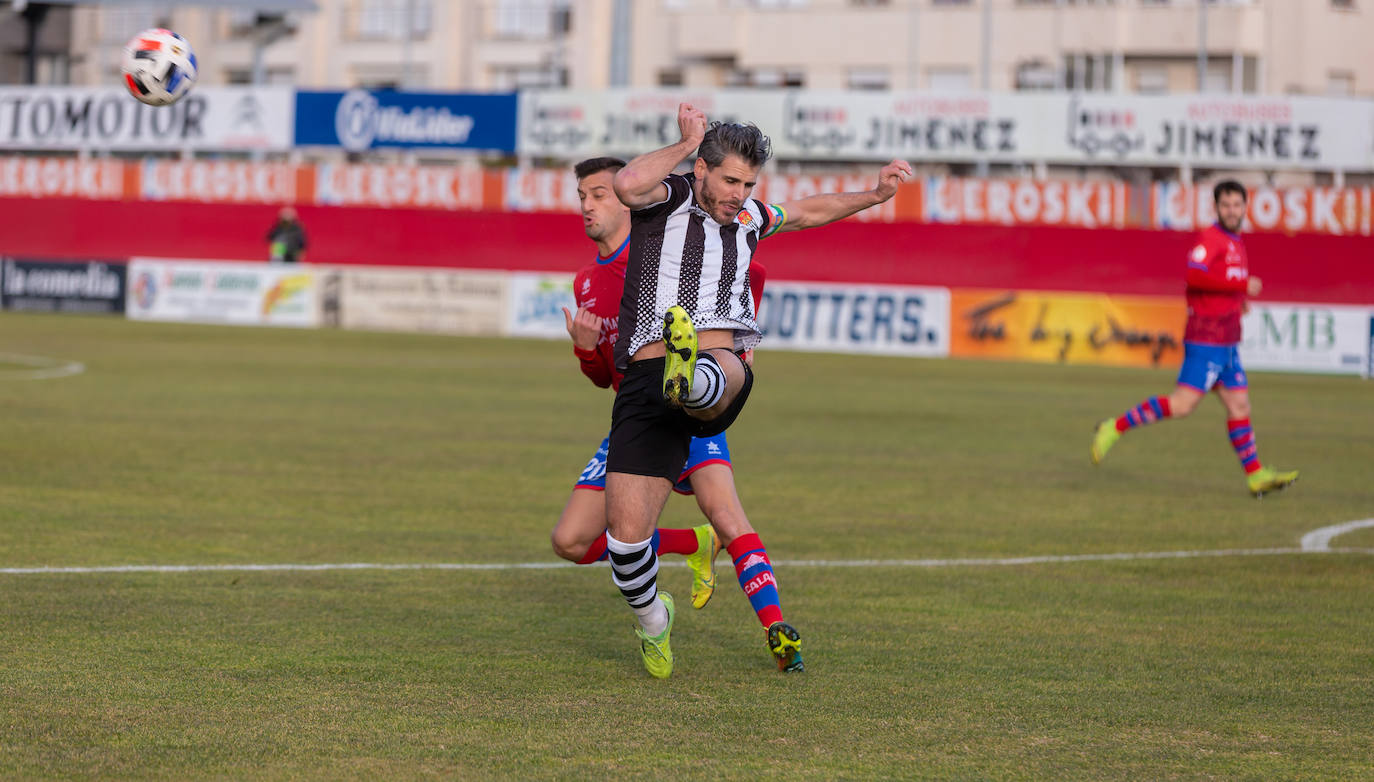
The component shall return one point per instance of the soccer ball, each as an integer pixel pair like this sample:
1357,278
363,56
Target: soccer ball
159,67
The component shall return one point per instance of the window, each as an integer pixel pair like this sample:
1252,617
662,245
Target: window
766,77
1340,83
955,79
1151,79
528,77
273,75
120,24
670,77
387,19
1035,75
1346,5
874,78
529,19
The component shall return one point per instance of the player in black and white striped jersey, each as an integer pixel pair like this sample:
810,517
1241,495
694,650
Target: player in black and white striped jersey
686,318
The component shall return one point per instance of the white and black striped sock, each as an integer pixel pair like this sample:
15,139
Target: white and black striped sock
708,383
634,569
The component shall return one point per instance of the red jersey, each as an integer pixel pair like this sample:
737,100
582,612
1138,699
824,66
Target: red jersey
1218,272
598,286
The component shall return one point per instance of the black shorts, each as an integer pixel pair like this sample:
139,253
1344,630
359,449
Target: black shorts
650,438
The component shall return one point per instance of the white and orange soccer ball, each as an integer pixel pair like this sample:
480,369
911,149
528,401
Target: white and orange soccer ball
159,67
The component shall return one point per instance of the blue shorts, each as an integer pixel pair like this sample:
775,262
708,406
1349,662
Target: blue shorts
1206,365
703,451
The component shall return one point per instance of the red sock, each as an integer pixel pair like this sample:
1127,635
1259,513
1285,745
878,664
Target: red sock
668,541
677,541
596,553
755,573
1243,440
1151,410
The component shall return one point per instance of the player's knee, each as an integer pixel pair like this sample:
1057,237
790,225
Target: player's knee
567,546
1182,406
728,519
1239,408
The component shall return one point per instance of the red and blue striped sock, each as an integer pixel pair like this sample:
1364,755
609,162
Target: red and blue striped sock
1243,440
755,573
1156,408
666,541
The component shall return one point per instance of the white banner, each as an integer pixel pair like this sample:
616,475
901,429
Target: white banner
576,124
1085,128
536,304
1325,338
235,293
843,318
1223,131
42,118
434,301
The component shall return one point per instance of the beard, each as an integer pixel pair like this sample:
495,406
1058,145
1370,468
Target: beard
716,208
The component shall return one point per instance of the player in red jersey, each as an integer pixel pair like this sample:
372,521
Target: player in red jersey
580,535
1219,281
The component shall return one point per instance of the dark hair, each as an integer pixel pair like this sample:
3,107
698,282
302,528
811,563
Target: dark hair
596,165
745,141
1228,186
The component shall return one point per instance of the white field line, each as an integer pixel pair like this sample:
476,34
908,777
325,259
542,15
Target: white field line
1320,539
1315,542
43,368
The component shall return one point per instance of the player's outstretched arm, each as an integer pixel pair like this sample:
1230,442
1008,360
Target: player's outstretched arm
640,182
826,208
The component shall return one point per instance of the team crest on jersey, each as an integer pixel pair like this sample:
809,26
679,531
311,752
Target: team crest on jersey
744,218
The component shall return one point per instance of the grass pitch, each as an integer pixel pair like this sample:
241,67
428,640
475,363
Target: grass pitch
205,445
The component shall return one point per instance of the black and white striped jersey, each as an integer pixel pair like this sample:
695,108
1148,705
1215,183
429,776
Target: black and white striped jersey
680,255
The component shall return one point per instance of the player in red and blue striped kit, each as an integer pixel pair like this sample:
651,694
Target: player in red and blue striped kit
1219,281
580,535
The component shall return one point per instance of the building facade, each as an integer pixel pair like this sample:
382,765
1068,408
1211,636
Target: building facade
1312,47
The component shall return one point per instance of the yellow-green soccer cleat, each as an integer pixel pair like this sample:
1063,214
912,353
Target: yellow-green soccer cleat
785,643
703,565
658,656
680,340
1103,439
1265,480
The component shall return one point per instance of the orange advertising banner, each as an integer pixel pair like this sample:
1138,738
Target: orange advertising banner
32,177
220,182
1067,328
1025,202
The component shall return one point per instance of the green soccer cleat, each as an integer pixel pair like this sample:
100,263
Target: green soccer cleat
658,656
1103,439
1265,480
680,339
703,565
785,643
